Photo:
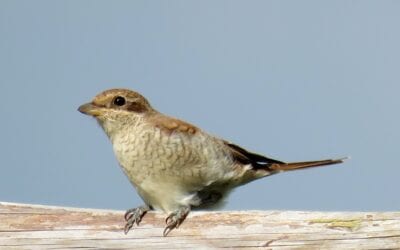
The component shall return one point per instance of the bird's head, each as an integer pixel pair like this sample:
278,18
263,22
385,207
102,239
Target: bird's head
116,108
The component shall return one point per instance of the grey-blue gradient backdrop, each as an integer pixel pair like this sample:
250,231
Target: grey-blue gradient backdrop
296,80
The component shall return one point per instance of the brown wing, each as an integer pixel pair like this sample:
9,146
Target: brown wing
170,124
245,157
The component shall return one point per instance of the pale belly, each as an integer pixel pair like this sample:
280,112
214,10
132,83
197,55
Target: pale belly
168,175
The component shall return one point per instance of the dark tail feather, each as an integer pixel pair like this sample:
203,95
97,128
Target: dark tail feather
305,164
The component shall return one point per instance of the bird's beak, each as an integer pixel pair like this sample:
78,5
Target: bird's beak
90,109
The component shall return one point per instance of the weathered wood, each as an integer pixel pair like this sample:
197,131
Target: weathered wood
43,227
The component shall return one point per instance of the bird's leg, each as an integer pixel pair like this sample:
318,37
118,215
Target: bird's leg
175,219
134,216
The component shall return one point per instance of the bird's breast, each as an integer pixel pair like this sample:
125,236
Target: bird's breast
169,169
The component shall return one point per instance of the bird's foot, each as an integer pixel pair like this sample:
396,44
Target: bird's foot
175,219
134,216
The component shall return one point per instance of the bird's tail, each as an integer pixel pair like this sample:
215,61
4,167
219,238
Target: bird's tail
300,165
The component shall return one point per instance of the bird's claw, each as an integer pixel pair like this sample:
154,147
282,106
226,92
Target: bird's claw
134,216
175,219
169,219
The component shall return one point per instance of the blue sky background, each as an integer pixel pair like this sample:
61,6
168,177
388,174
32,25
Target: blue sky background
295,80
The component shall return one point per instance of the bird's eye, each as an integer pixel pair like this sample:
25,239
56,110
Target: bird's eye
119,101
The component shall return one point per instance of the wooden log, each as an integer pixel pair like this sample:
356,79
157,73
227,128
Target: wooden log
24,226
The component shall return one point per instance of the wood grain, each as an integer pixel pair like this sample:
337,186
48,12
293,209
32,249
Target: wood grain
24,226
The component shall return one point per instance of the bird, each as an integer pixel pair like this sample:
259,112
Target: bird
175,166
